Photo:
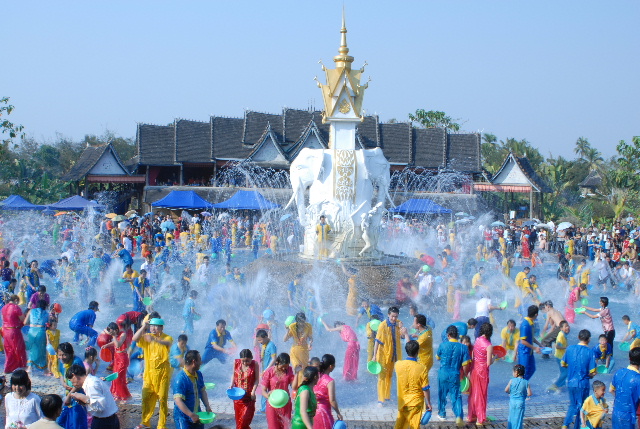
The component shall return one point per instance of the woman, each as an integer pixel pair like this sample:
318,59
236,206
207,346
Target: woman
120,344
352,354
325,392
574,296
14,347
245,376
306,403
526,250
482,360
37,319
32,279
21,405
302,334
278,376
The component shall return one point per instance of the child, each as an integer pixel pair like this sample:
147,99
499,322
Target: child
518,390
603,351
53,338
189,313
91,360
594,407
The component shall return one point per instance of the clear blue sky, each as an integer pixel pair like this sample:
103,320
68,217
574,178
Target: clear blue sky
547,71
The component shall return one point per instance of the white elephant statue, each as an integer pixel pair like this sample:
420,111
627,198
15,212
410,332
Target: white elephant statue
378,170
305,169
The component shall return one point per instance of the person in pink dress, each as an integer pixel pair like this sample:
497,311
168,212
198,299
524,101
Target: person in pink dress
482,360
14,346
352,354
120,343
325,391
574,296
278,376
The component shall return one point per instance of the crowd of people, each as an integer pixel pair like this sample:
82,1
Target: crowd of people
450,278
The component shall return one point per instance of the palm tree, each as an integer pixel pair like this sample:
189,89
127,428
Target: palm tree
593,158
582,146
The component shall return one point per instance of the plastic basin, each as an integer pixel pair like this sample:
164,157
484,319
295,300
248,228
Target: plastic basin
236,393
546,350
374,367
50,350
625,347
374,324
464,384
206,417
111,376
209,386
425,418
146,300
289,320
499,351
503,305
602,369
579,310
278,398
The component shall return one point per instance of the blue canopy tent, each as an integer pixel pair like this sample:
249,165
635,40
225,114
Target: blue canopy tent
247,200
74,203
16,202
420,206
185,200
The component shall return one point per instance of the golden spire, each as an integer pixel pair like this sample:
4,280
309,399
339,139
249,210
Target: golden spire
344,59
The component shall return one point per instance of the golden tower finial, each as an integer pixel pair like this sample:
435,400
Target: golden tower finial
344,59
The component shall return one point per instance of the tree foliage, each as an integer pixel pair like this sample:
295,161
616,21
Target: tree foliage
434,119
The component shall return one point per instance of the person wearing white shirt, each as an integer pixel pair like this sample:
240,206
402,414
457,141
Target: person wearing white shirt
97,397
51,406
21,405
483,308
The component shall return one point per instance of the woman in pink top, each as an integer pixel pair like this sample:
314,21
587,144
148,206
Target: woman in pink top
325,391
14,346
278,376
352,354
482,360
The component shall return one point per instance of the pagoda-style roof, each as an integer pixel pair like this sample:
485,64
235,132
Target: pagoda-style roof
518,172
592,181
97,160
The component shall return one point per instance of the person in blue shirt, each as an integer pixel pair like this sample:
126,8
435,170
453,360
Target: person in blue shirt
626,389
603,351
177,352
369,309
526,347
218,338
268,353
82,324
453,357
581,367
188,391
633,330
189,312
462,327
123,254
141,289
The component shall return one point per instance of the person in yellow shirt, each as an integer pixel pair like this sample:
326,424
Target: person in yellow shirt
519,280
155,346
53,338
424,337
413,389
477,281
506,263
530,289
322,231
510,337
561,348
387,351
594,408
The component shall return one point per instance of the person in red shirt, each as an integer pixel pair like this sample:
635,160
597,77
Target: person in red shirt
405,290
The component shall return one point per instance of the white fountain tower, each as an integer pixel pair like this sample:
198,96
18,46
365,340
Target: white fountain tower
342,180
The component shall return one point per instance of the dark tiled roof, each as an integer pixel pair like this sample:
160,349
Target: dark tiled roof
430,147
464,152
593,180
256,122
296,123
193,141
158,144
227,138
368,132
531,174
88,159
396,142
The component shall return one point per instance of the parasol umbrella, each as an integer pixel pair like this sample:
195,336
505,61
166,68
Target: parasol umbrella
48,211
285,217
497,223
205,214
119,218
397,217
133,216
168,225
466,220
529,223
130,212
462,214
123,225
61,213
630,218
110,215
564,225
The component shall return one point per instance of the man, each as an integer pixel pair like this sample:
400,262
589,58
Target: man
188,391
405,290
477,281
510,337
268,352
294,293
604,314
155,346
561,348
123,254
205,272
519,280
413,389
387,351
322,231
554,320
369,309
82,324
581,368
97,398
526,348
51,406
633,330
218,339
483,308
530,289
626,389
453,358
424,338
141,289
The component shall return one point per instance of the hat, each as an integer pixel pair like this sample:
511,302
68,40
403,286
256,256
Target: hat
156,321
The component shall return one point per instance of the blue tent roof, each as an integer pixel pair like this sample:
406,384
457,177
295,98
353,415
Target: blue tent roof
247,200
16,202
74,203
420,206
187,200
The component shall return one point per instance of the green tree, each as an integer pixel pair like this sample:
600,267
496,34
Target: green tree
8,129
582,145
434,119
